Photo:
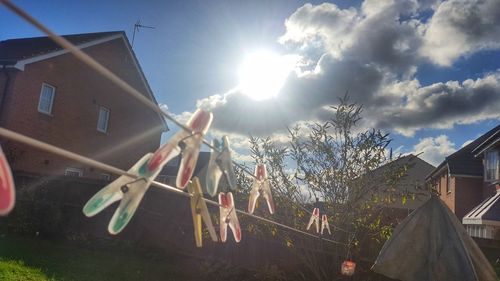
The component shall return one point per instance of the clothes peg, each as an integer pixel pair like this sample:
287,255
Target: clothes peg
228,217
7,190
314,218
199,211
325,225
260,186
131,190
220,163
127,189
186,143
348,267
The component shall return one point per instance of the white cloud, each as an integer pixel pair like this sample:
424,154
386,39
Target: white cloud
466,143
434,149
441,105
373,52
322,26
459,28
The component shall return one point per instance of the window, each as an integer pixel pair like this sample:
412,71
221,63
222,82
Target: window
448,183
491,164
73,172
102,121
46,98
161,178
105,176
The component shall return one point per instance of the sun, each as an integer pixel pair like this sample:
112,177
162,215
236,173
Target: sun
263,73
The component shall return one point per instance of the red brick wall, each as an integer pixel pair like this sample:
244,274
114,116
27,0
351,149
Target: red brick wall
489,189
447,197
465,193
468,195
133,129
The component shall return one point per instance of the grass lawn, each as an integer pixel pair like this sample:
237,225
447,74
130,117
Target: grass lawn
26,259
17,270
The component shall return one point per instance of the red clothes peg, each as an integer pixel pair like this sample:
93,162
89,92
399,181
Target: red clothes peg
314,219
228,217
7,190
260,186
325,225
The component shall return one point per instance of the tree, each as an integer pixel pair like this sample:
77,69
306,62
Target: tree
333,164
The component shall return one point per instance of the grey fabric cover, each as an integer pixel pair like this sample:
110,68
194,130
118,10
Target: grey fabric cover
431,244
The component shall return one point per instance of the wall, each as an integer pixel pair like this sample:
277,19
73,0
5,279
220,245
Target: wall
468,195
448,197
52,207
133,129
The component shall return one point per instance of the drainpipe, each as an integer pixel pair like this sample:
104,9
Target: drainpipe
5,88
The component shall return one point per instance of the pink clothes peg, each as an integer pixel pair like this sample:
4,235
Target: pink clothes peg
7,190
260,186
130,191
187,143
348,267
325,225
314,218
228,217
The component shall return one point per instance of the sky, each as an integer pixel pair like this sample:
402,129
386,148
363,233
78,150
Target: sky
427,72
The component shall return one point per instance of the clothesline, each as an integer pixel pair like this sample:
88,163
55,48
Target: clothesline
99,165
83,57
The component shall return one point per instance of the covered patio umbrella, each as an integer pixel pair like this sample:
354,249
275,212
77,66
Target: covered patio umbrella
431,244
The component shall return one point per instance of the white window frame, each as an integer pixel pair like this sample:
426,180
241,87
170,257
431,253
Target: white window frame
487,162
73,170
448,184
106,125
49,112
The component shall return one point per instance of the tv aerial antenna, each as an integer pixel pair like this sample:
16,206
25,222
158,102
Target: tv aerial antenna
137,27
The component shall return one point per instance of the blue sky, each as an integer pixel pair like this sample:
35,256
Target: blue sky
194,52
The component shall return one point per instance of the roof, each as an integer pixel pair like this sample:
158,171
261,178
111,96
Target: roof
200,171
463,161
14,50
201,164
488,212
379,183
412,183
488,143
17,52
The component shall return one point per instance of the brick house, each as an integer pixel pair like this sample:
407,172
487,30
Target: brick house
484,220
411,187
48,94
459,178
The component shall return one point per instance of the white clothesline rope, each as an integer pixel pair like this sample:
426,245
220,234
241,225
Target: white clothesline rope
99,165
92,63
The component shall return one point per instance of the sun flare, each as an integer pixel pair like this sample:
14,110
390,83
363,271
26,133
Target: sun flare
263,74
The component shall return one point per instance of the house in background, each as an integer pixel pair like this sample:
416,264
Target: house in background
411,187
168,174
484,220
48,94
459,178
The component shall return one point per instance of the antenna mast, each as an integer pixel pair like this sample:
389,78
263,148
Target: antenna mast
138,26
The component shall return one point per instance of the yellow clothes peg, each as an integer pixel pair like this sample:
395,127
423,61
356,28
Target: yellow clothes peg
200,211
